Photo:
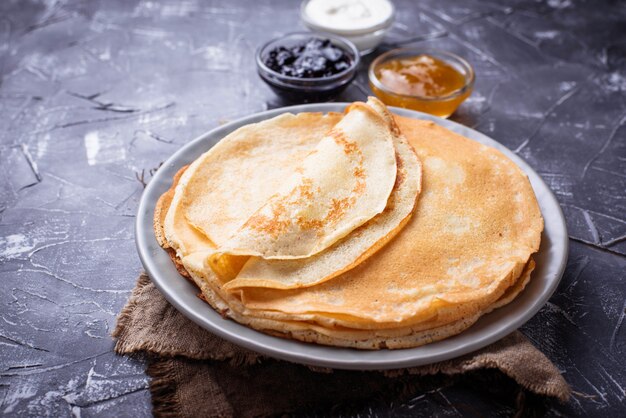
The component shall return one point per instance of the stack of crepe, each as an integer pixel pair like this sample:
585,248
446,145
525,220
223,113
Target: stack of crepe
361,229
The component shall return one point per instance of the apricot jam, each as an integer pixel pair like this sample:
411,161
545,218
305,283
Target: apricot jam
421,82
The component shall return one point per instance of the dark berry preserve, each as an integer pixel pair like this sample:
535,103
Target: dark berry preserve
305,67
314,58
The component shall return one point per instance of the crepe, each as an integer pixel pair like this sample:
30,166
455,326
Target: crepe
355,248
214,204
343,182
235,272
476,224
463,250
393,338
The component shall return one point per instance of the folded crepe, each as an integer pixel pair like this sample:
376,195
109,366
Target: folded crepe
366,182
342,183
224,186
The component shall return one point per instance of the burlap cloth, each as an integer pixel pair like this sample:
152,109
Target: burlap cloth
195,373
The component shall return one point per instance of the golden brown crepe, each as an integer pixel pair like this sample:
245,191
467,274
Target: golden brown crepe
476,224
394,338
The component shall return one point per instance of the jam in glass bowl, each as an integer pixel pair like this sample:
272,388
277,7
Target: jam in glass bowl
423,79
306,67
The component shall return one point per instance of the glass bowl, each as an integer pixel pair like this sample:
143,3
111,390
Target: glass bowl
442,106
304,90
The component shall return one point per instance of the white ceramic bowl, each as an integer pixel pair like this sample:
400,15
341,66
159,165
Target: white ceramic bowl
365,39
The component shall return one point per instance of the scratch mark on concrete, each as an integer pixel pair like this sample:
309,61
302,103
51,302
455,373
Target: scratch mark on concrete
584,262
615,241
31,163
615,173
620,320
152,135
50,368
596,246
108,119
545,117
612,380
592,227
602,395
24,366
23,343
51,17
606,144
107,399
555,308
106,106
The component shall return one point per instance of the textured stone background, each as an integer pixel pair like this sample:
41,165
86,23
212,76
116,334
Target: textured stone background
95,94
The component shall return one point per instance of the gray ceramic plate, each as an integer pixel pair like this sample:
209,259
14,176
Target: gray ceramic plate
550,260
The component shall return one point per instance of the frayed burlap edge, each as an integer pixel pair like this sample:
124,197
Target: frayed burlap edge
165,402
556,387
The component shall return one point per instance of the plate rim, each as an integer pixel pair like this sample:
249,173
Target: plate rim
151,255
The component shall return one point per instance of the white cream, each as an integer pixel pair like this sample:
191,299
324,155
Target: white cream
348,15
363,22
